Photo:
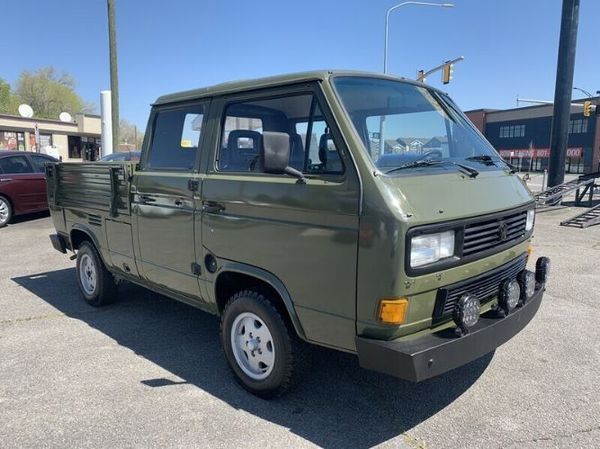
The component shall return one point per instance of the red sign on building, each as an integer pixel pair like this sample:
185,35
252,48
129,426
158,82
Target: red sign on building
537,152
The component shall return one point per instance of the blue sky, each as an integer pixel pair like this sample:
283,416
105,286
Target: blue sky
510,46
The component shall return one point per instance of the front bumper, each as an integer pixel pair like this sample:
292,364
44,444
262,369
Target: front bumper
428,356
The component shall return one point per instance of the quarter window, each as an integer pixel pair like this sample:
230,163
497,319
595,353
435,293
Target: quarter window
312,149
176,138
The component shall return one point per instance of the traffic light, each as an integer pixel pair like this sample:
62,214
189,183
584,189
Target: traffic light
447,73
587,108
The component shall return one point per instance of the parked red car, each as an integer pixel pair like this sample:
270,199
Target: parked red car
22,183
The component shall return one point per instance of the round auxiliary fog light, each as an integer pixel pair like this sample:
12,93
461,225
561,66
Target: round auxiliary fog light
466,312
510,293
527,283
542,269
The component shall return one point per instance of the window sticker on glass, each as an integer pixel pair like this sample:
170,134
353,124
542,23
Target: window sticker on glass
190,135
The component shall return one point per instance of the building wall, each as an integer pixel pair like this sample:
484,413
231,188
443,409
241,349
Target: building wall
85,127
88,124
60,141
537,137
478,118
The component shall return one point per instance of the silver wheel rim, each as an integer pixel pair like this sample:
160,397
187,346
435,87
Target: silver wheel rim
3,211
87,274
252,346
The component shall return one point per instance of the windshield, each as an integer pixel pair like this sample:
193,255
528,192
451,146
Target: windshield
402,124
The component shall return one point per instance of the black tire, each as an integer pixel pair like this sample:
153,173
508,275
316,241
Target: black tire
103,289
286,345
6,211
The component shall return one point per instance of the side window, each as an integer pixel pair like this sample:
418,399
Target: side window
297,115
323,155
175,138
39,163
15,165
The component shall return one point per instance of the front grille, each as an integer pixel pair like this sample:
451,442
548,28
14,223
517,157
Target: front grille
485,287
485,235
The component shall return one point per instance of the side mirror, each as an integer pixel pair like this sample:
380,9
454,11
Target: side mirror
276,155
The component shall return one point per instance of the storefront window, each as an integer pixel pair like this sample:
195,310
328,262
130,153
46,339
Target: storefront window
11,140
45,141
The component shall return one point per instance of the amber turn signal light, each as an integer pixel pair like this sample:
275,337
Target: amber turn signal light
393,311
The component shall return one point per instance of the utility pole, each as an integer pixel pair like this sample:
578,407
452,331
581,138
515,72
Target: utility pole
559,136
114,81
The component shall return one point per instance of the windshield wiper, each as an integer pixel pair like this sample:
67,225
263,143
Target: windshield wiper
488,160
470,170
414,164
481,158
428,162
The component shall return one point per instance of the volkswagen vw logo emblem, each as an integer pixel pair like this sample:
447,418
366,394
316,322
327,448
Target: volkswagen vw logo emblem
502,229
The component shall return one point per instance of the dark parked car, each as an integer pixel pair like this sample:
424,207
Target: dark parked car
124,156
22,183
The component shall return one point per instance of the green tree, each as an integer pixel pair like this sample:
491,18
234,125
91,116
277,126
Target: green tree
49,94
9,102
129,134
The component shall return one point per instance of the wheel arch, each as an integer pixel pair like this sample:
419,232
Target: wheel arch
79,234
234,277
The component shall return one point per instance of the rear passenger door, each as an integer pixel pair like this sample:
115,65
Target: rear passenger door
163,202
19,182
304,234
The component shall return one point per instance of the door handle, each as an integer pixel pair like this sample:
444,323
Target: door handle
178,202
5,179
212,207
147,199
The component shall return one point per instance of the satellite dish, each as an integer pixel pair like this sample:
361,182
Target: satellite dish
25,111
65,117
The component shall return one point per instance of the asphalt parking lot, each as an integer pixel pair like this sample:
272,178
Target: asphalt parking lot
148,371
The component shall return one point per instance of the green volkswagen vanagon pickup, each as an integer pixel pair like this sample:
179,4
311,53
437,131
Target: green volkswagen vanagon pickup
357,211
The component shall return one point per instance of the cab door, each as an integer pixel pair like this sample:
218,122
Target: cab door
305,234
163,198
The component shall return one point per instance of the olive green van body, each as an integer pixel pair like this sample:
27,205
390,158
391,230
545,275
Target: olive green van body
331,248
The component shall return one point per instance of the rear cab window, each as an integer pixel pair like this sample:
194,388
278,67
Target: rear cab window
175,138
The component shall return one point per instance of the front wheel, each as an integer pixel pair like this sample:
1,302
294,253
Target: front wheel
96,284
259,348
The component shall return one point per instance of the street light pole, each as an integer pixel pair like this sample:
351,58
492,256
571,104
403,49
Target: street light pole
385,56
387,22
585,92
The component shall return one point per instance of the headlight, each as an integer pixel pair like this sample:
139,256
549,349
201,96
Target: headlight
530,218
429,248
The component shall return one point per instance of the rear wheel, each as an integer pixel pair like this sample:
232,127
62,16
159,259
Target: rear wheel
96,284
6,211
259,347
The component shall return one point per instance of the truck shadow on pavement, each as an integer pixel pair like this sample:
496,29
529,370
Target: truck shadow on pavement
337,404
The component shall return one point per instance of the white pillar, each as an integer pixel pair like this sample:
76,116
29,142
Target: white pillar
105,112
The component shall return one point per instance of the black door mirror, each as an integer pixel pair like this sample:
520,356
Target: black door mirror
276,155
